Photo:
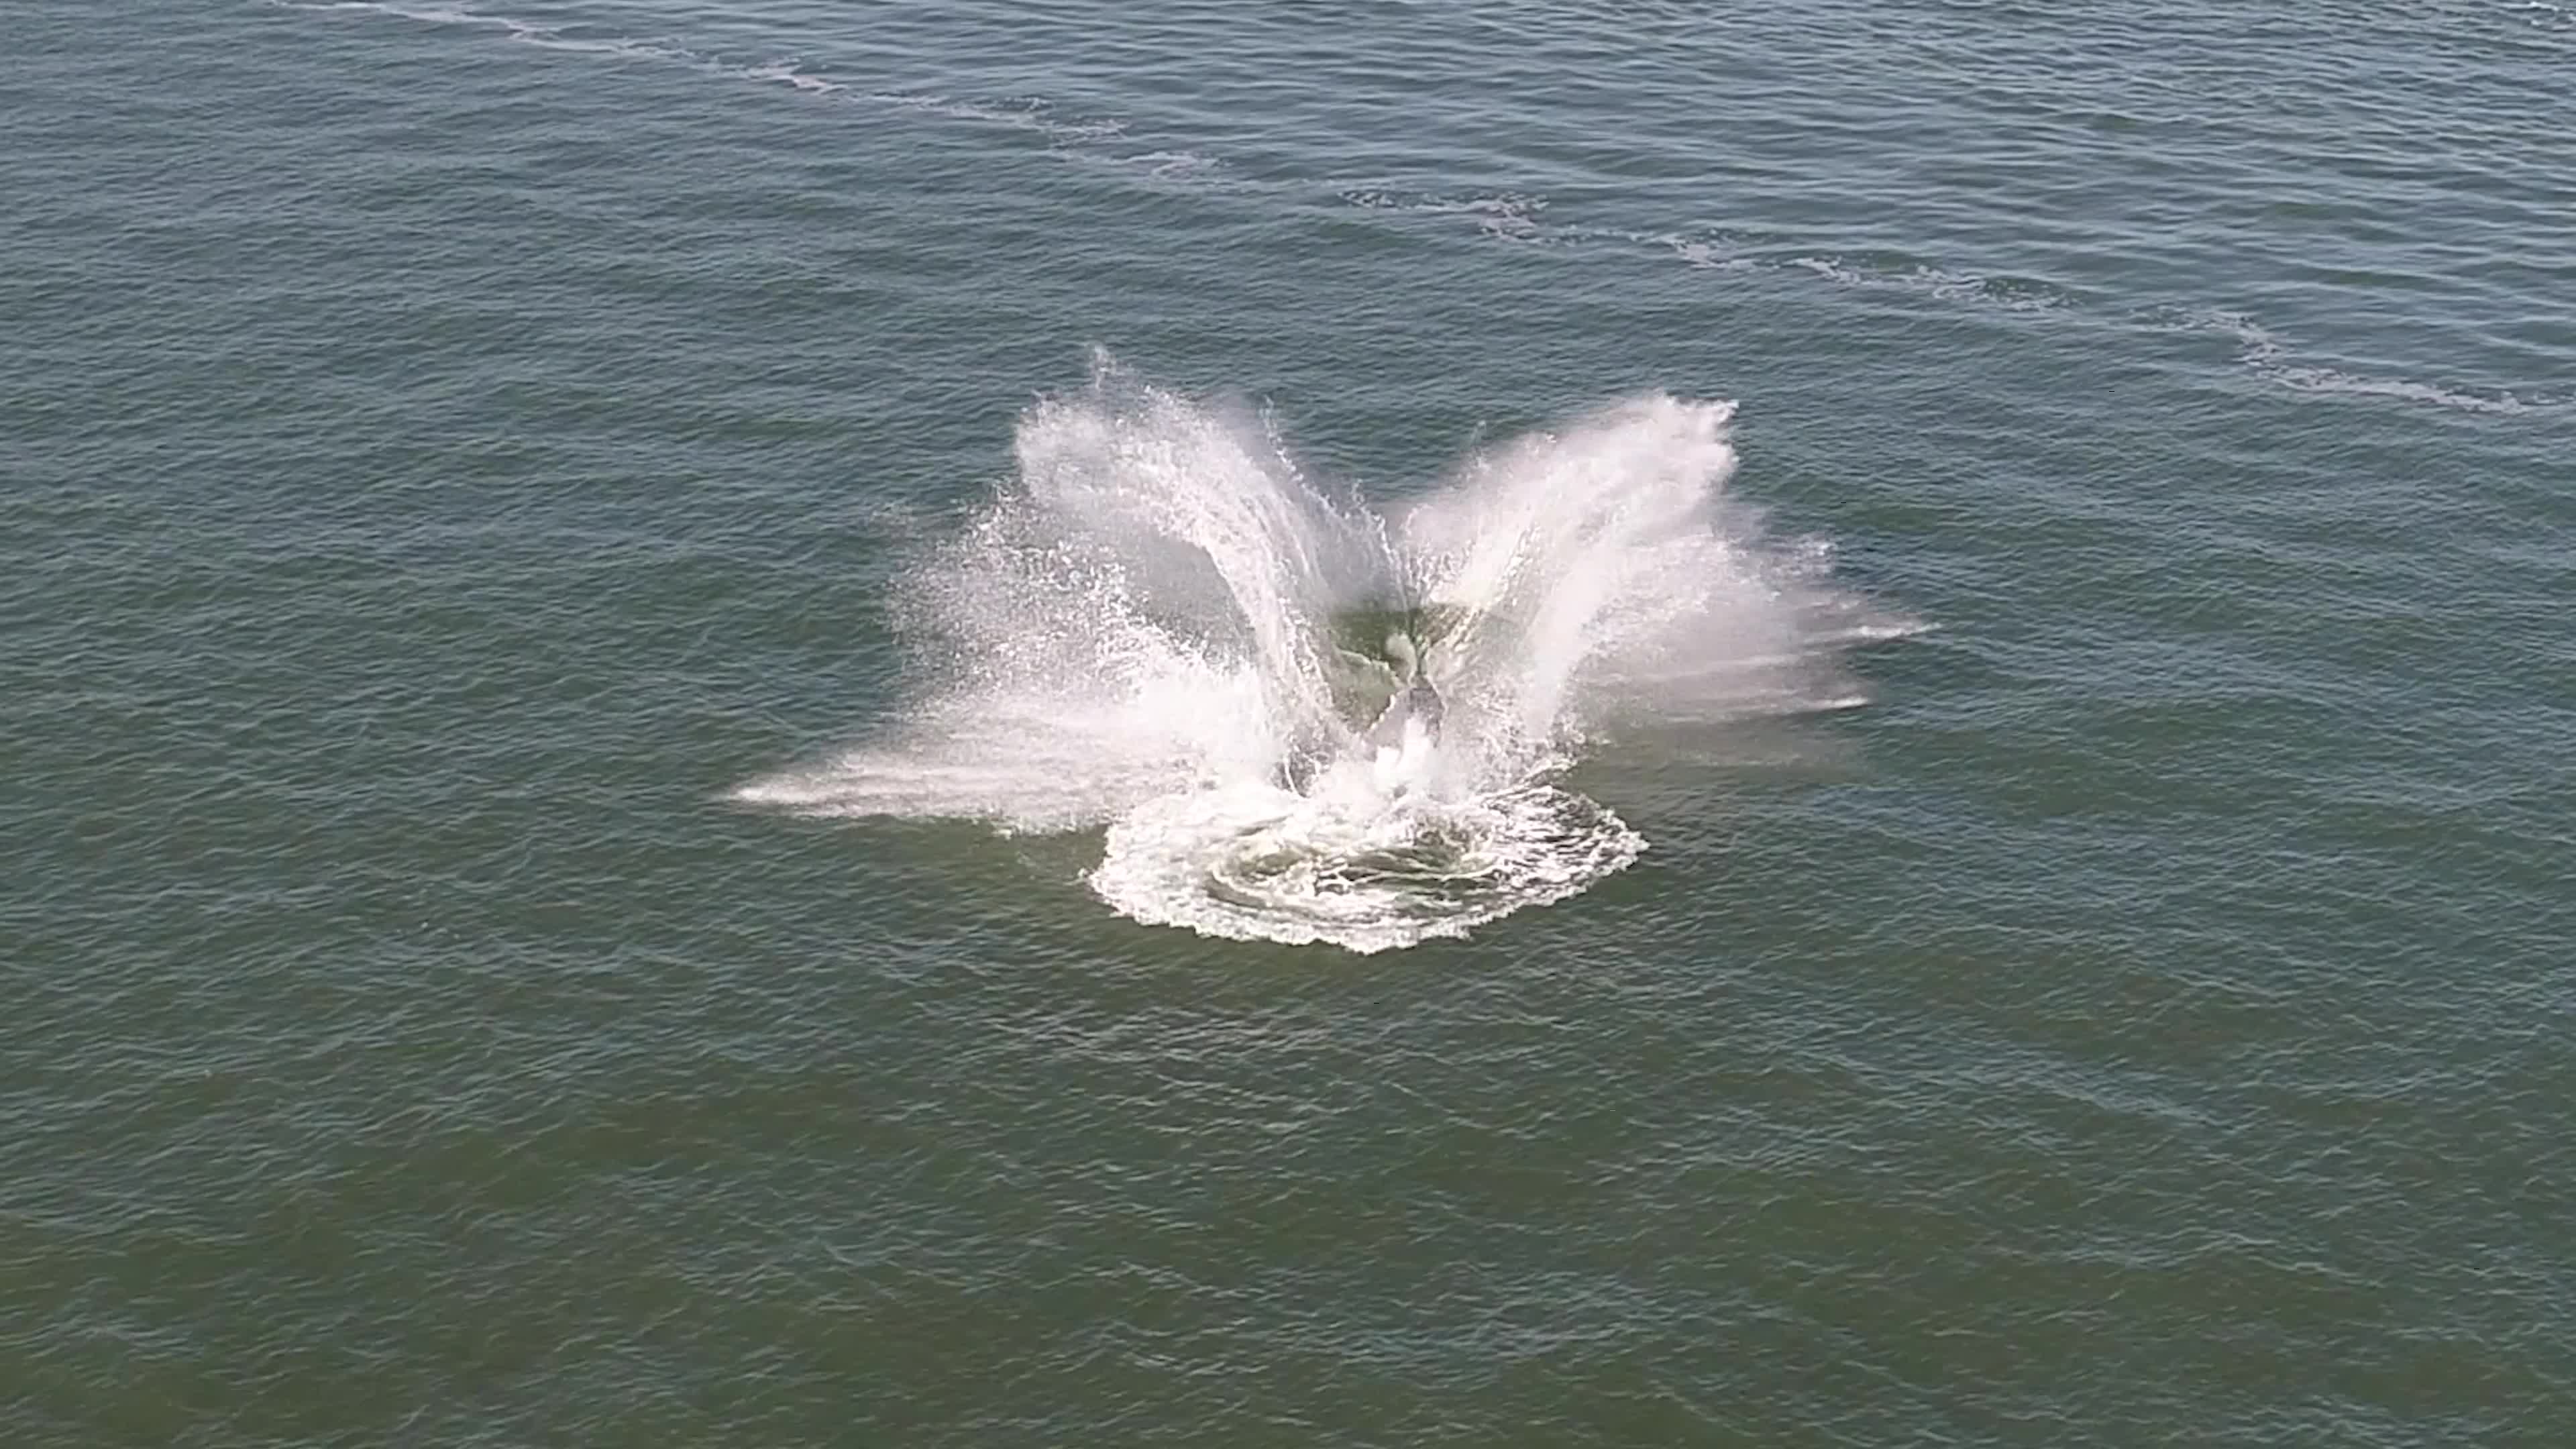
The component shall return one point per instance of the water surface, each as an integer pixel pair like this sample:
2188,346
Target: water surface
451,449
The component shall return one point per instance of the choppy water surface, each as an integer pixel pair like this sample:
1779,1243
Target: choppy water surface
1451,723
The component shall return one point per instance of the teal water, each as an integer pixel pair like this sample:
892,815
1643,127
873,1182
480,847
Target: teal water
2097,973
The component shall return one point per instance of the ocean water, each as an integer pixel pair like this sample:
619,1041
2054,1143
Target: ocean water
785,722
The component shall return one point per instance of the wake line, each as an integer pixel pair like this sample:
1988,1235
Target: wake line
1033,116
2266,355
1504,216
1519,218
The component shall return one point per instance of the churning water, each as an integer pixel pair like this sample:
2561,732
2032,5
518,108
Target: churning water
1305,718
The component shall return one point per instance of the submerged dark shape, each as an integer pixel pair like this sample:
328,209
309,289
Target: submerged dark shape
1416,700
1379,661
1382,660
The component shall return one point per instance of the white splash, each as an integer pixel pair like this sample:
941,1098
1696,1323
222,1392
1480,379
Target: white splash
1304,719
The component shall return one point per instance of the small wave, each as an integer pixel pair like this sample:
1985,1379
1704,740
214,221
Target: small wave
1025,114
1506,216
792,74
1520,217
2326,379
1182,164
1705,255
2014,294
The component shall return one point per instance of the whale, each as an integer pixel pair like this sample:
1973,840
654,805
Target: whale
1414,700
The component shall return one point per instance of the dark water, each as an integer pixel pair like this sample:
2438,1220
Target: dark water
444,453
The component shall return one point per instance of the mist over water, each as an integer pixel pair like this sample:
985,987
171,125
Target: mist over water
1303,717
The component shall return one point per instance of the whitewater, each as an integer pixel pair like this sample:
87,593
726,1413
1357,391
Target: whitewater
1302,717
